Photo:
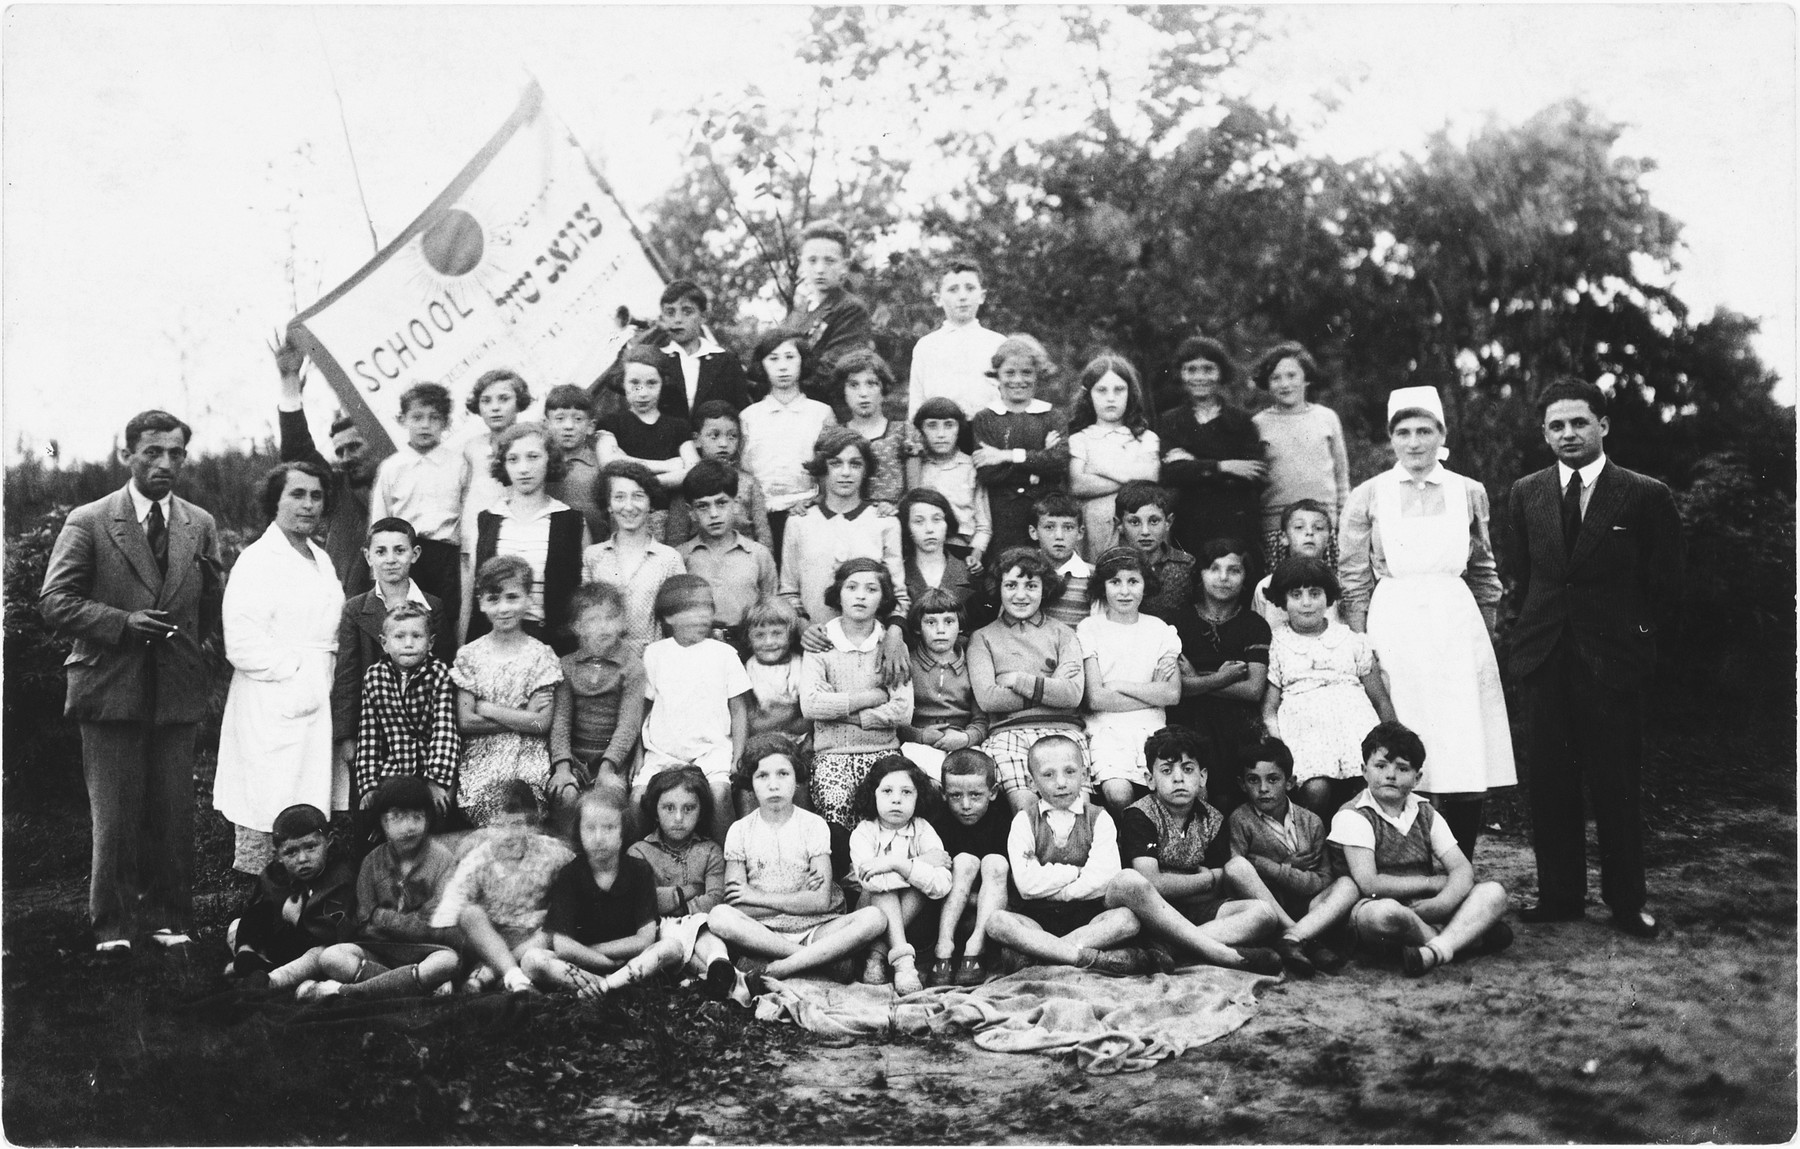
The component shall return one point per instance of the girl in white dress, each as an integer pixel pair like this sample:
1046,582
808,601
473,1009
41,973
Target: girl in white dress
1131,663
1325,689
281,617
1110,444
1419,576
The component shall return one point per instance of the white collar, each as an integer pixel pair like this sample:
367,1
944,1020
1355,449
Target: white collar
1590,474
1077,566
504,508
140,503
1407,816
1035,407
797,403
708,346
1078,810
834,630
413,594
1436,476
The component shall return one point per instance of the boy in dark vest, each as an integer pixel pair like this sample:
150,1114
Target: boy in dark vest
1418,888
1063,853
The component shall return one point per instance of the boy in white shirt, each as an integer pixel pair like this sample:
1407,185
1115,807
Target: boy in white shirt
952,362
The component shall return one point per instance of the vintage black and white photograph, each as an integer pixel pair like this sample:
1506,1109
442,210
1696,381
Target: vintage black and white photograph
749,574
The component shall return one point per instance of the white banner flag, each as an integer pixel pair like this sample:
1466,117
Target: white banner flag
522,262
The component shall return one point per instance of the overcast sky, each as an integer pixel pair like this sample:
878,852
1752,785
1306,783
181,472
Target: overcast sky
162,165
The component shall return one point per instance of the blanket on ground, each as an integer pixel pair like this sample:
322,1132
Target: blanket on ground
1107,1025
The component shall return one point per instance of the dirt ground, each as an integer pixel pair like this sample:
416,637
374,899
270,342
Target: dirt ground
1576,1034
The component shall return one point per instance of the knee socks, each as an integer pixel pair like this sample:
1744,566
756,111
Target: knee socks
402,982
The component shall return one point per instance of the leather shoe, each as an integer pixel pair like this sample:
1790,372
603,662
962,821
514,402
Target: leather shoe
1550,912
1637,923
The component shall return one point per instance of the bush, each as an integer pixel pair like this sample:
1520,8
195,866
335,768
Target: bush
42,749
1733,638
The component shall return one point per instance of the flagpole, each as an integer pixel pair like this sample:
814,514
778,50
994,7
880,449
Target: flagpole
344,123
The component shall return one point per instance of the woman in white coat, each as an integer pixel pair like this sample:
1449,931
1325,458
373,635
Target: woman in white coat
281,610
1418,574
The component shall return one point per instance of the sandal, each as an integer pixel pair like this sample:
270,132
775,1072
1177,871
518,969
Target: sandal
969,971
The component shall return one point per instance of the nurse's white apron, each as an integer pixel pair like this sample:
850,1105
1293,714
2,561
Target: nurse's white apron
1434,649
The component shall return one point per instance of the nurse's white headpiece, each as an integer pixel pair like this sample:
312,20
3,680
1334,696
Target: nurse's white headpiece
1409,401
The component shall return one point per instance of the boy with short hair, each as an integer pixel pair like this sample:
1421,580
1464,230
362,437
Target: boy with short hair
305,898
833,320
396,953
1064,854
952,362
390,551
409,724
1278,858
1179,856
425,483
1145,512
741,570
698,369
974,830
1056,529
1416,886
718,436
569,413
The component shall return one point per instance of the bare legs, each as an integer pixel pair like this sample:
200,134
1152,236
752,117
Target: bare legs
1238,923
833,940
1109,928
966,871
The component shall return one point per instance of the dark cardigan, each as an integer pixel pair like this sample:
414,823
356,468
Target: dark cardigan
562,574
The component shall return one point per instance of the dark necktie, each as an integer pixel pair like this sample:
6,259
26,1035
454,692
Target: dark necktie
1571,512
156,532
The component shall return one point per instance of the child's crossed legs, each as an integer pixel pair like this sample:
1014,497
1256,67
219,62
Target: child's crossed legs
1108,928
1236,923
349,969
819,946
1388,920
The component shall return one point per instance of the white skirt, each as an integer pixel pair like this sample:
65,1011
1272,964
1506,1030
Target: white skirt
1444,680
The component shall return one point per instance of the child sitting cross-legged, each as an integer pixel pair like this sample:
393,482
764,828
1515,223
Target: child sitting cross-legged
396,953
304,899
1064,856
898,860
601,930
1179,856
781,907
1283,845
500,892
1418,889
690,877
973,827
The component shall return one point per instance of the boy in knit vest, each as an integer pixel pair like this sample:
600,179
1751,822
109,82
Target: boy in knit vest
1418,889
1063,853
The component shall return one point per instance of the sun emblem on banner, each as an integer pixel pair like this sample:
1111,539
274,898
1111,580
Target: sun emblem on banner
453,244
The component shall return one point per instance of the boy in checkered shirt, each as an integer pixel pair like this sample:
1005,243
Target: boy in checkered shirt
408,719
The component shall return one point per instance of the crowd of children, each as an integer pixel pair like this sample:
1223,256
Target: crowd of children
731,674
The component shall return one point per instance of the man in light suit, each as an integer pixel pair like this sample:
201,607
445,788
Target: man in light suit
1594,555
135,579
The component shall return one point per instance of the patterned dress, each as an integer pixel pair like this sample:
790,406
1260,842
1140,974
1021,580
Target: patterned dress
1324,711
490,760
896,445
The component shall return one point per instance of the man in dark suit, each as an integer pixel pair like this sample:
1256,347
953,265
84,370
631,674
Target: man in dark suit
1594,554
136,580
